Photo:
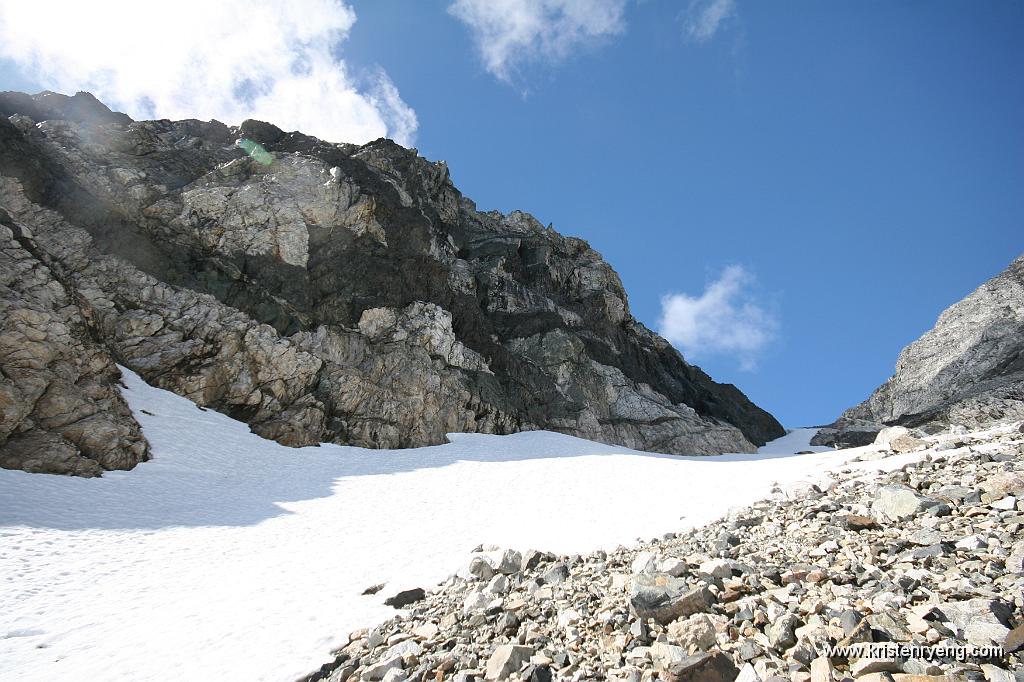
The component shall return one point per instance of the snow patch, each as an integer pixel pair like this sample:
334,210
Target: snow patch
231,557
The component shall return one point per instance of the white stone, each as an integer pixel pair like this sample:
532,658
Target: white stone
645,562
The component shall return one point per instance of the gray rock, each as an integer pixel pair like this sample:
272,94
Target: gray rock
849,620
994,673
555,575
60,408
406,597
898,502
377,671
864,666
716,568
703,667
781,634
925,536
966,371
481,568
665,598
644,562
664,656
822,670
506,660
511,562
981,622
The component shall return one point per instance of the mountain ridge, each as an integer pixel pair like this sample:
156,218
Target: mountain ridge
332,292
966,371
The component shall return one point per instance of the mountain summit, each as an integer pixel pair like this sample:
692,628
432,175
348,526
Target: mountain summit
320,292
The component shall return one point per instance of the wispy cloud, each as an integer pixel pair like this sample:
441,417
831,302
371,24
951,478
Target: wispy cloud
229,59
512,33
724,320
705,17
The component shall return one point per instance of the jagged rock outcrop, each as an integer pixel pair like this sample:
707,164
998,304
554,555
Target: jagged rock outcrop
60,411
967,371
325,293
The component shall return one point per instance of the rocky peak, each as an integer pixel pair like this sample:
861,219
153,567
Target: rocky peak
340,293
967,371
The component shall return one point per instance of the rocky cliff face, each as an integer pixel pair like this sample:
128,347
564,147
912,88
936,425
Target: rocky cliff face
968,370
321,292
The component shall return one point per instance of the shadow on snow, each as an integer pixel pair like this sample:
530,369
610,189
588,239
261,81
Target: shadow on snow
210,470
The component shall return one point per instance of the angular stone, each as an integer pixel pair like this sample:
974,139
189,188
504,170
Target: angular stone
925,536
695,633
665,598
864,666
906,443
506,660
1014,640
673,567
1000,485
716,568
704,667
474,601
884,437
982,622
782,633
898,503
511,562
481,568
378,670
664,655
406,597
1005,504
645,562
426,631
994,673
822,670
972,543
555,575
748,674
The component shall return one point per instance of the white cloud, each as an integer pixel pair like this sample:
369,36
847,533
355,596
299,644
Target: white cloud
705,17
511,33
723,320
227,59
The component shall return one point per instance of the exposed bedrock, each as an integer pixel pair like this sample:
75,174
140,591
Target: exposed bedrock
321,292
967,371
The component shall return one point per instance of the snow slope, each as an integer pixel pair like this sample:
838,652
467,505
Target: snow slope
230,557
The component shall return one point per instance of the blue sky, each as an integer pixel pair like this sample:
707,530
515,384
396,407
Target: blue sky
838,172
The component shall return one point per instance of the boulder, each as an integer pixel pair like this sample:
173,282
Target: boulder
695,633
886,436
507,660
899,502
379,670
665,598
782,633
982,622
406,597
556,574
510,563
713,666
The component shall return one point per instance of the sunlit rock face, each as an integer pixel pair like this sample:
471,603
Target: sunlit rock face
325,293
967,371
